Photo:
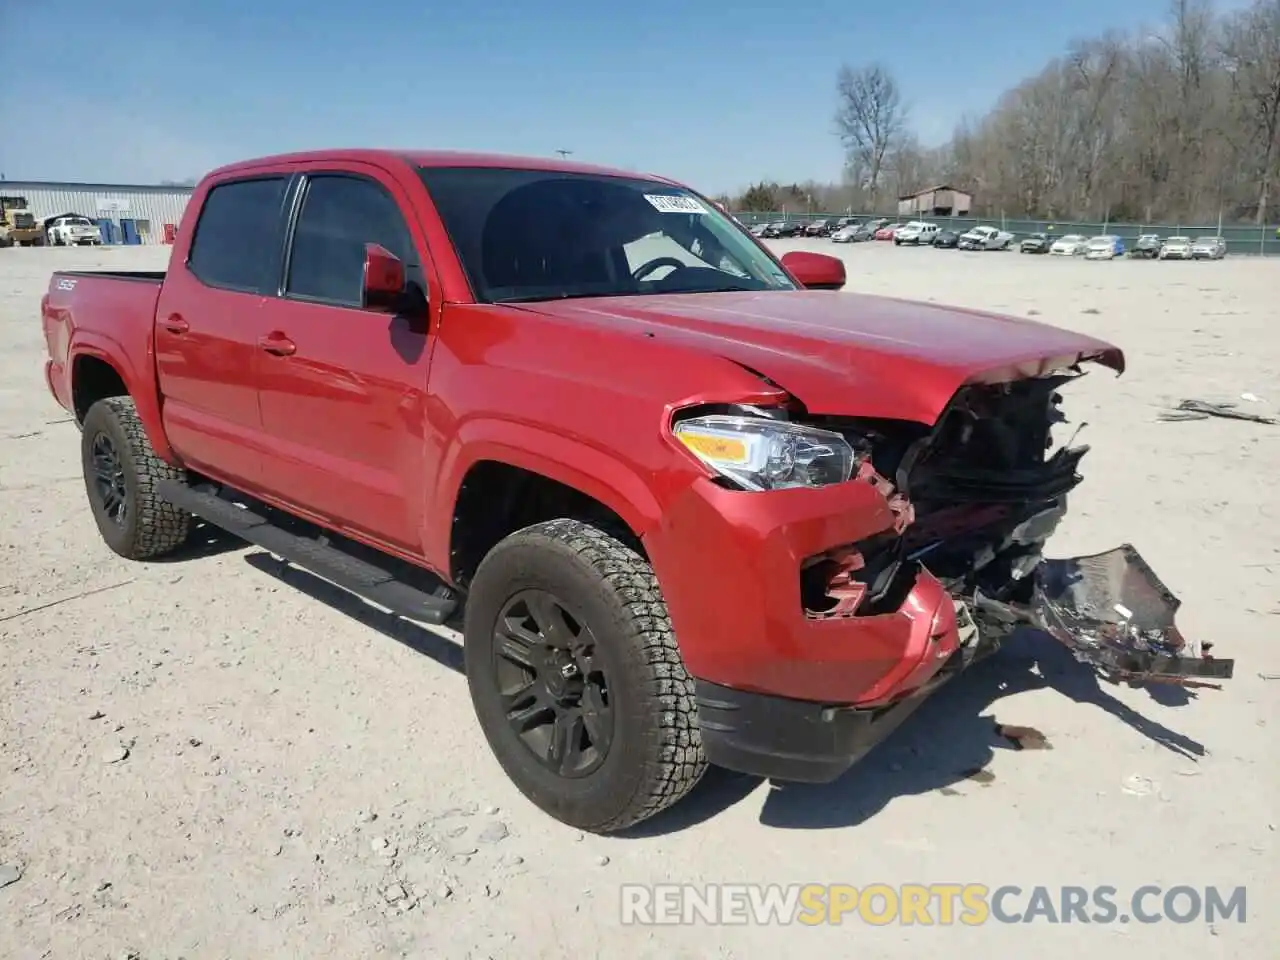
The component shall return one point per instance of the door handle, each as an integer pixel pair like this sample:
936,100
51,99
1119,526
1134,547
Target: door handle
175,324
277,344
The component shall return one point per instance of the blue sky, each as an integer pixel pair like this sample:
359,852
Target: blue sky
714,94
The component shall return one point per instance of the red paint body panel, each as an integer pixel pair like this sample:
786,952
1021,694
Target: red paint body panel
370,427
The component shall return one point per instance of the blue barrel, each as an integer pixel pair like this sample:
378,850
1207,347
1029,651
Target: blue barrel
129,232
107,228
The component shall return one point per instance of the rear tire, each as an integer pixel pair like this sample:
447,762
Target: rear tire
562,610
121,473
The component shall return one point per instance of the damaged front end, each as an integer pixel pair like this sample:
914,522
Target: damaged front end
976,497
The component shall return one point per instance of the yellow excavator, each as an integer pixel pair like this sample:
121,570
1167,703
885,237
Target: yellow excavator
18,225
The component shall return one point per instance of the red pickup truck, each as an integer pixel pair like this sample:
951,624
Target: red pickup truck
694,506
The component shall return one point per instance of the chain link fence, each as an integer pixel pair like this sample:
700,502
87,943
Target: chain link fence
1245,240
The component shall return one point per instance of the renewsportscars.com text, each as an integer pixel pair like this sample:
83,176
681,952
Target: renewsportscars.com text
942,904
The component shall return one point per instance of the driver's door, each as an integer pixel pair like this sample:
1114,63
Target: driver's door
343,388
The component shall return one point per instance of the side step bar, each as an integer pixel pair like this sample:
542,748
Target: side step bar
337,566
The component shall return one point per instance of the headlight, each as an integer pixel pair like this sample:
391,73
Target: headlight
762,454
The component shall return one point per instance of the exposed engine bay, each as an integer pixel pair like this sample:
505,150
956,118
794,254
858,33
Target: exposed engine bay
977,496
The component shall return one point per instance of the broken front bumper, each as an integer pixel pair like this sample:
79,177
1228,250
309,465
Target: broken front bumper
1112,611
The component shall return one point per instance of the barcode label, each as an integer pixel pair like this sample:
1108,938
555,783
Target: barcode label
667,203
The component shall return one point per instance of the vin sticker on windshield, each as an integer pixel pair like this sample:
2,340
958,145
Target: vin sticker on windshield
667,203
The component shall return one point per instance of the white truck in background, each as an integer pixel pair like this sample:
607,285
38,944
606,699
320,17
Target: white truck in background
72,230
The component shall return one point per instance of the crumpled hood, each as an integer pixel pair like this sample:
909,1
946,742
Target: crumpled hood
846,354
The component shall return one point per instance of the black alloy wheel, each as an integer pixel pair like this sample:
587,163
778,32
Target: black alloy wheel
108,479
554,691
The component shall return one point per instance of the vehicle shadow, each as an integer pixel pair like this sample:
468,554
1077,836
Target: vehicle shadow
206,540
915,759
417,638
945,747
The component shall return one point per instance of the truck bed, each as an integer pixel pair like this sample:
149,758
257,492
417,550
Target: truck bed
109,313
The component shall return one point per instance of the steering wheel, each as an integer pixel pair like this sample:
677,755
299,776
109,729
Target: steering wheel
642,271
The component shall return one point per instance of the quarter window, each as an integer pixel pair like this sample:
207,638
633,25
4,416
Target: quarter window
238,235
340,214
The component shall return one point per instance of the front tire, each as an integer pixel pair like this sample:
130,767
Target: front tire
576,677
121,473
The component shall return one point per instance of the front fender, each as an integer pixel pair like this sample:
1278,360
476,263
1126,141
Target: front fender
590,470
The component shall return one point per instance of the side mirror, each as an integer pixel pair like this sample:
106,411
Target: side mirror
815,271
384,280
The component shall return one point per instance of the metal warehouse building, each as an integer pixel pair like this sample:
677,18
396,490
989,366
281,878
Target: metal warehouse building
127,213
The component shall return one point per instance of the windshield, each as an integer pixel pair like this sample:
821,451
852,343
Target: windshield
525,235
1179,240
1072,238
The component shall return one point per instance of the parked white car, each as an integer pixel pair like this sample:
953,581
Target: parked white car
1209,248
916,232
1104,247
1072,245
985,238
73,231
1176,248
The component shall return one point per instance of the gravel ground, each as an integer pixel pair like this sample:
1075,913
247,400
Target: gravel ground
213,758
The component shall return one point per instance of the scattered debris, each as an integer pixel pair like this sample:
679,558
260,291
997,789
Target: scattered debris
491,811
74,596
293,831
950,792
493,832
1024,738
1093,310
1203,410
1269,676
980,775
1137,786
379,844
9,873
1252,398
394,893
115,754
602,860
444,892
366,816
97,715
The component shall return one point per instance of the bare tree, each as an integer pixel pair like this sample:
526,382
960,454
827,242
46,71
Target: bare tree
1179,124
1251,50
871,119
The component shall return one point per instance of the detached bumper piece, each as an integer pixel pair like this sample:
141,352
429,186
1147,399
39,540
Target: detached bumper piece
1112,612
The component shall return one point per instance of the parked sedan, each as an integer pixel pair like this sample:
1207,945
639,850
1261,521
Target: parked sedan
820,228
1036,243
947,239
1176,248
888,230
847,234
1105,247
1209,248
760,230
1072,245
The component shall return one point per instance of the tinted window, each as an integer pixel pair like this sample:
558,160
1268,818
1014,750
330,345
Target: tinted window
339,216
540,235
237,241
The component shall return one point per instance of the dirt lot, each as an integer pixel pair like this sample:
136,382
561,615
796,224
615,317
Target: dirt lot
208,758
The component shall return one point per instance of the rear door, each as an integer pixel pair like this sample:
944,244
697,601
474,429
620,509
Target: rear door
343,389
208,320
